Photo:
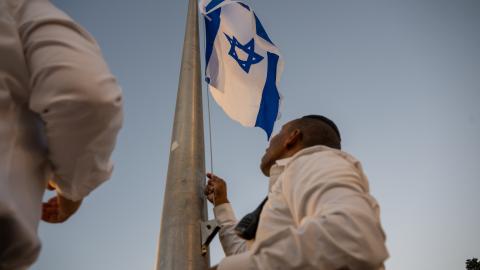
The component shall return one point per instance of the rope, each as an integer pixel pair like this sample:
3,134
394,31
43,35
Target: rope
209,129
208,108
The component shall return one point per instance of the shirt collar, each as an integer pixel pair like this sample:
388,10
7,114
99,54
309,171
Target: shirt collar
280,164
305,151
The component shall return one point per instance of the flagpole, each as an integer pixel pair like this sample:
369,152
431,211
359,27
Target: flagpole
184,206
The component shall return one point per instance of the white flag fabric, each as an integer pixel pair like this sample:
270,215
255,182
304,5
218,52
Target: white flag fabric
243,66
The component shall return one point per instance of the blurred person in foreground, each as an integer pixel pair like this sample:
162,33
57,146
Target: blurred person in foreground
60,112
318,213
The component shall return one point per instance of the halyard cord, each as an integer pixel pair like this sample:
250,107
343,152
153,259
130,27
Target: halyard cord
209,129
209,118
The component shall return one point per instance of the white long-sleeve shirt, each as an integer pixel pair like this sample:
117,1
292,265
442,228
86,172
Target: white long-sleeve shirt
319,215
60,111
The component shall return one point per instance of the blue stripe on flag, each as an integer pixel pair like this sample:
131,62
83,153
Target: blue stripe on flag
211,29
268,111
212,4
260,30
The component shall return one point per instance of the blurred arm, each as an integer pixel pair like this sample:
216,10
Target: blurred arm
75,95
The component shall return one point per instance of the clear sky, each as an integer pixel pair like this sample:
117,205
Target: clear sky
400,78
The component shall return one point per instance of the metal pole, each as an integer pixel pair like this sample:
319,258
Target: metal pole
184,206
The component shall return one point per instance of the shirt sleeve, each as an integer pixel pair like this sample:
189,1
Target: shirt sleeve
231,243
75,95
337,223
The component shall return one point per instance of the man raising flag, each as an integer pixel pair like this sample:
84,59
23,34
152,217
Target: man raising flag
319,213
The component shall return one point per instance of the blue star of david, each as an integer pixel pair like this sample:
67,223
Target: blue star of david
248,48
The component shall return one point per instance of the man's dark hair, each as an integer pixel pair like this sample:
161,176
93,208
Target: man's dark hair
318,130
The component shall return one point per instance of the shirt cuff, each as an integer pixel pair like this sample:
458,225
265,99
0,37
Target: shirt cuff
224,213
83,186
242,261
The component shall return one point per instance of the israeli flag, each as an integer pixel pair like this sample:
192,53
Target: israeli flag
243,66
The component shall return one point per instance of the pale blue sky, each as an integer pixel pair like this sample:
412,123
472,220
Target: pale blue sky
400,78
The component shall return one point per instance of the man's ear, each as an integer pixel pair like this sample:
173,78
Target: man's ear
293,138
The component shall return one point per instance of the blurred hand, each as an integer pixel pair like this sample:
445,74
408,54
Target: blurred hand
216,190
58,208
213,268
